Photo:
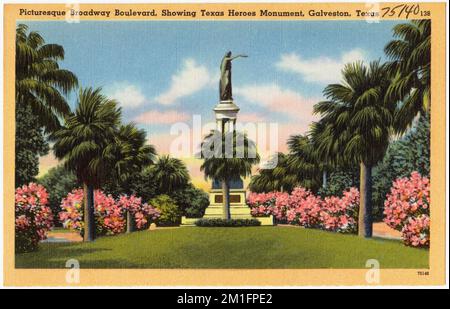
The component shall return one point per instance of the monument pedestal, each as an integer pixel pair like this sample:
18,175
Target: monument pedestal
238,207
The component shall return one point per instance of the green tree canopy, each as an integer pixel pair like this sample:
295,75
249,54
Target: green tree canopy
30,144
40,83
169,173
356,126
410,63
278,176
128,155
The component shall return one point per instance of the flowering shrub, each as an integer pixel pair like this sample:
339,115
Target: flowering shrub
263,204
109,213
303,208
341,214
72,214
143,213
407,209
33,217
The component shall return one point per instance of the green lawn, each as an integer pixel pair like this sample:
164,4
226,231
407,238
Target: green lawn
246,247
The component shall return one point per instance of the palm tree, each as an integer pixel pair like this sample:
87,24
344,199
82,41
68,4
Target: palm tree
40,83
263,182
128,155
81,143
227,156
300,167
410,69
278,178
355,127
305,162
170,173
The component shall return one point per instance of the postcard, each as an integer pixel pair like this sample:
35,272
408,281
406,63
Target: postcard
211,144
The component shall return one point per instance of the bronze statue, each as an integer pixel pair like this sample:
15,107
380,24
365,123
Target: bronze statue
225,76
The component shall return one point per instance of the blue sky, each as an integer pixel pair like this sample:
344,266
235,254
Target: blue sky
163,72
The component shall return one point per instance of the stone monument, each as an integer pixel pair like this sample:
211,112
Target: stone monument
226,114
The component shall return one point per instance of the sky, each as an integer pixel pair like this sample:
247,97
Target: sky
164,72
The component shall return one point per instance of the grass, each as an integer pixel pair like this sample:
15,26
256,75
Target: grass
244,247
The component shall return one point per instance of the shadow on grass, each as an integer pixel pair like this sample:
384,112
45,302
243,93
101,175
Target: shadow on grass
48,257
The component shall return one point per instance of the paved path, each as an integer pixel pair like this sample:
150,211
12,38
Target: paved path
63,237
380,229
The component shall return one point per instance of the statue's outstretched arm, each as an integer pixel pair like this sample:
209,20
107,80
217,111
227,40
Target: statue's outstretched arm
237,56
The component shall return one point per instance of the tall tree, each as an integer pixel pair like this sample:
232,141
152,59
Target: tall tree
40,83
81,143
300,167
170,173
41,87
128,155
227,156
355,127
310,170
410,55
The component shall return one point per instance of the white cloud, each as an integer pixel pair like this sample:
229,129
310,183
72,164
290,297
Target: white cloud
190,79
162,117
320,69
128,95
266,94
274,98
279,99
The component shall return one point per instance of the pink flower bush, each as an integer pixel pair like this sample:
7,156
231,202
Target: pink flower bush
107,214
303,208
110,214
282,205
416,232
72,214
33,217
142,213
407,209
264,204
340,214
